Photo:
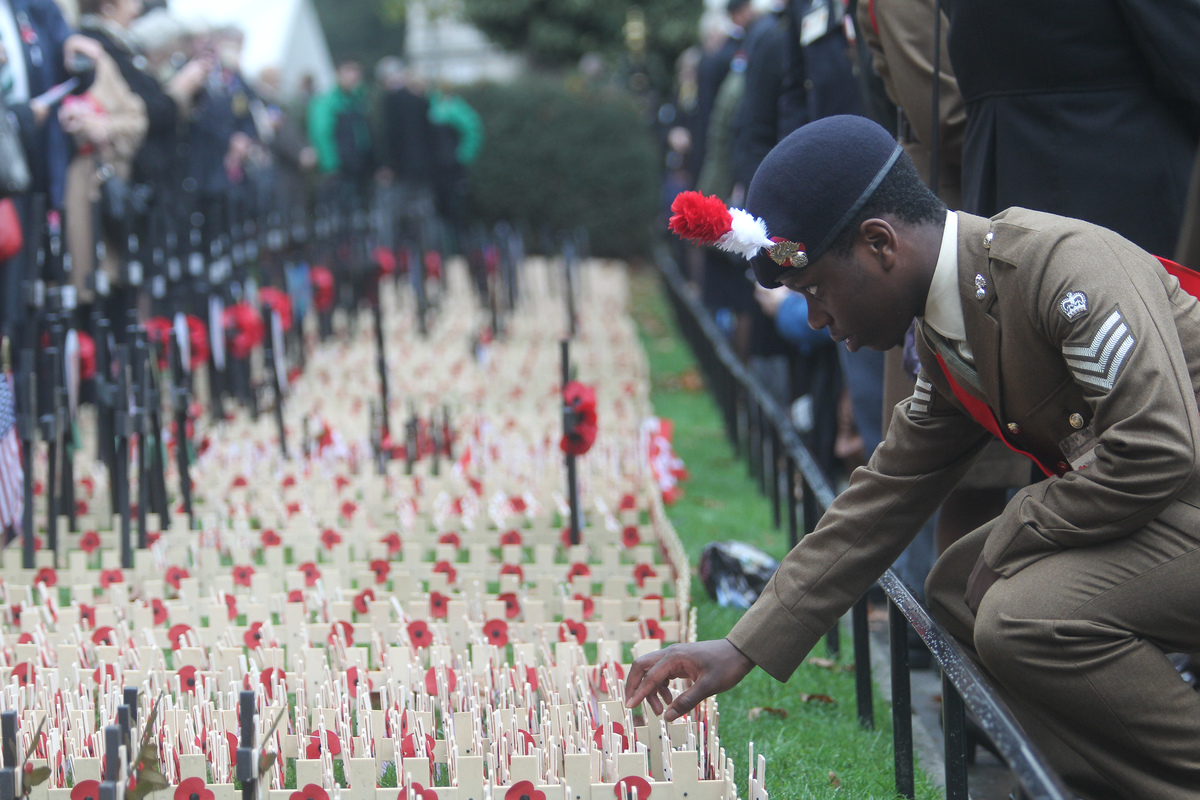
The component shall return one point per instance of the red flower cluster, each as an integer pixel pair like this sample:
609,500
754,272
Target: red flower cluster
581,399
322,285
279,302
699,218
246,324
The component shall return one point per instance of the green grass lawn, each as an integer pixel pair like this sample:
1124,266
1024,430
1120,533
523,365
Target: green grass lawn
818,747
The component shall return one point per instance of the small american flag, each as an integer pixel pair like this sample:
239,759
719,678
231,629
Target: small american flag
12,477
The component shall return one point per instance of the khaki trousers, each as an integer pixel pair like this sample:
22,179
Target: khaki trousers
1077,643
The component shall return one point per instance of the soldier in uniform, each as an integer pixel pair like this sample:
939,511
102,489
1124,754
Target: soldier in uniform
1071,345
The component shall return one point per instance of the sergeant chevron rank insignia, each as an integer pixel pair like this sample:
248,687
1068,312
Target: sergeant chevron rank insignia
1073,304
1099,363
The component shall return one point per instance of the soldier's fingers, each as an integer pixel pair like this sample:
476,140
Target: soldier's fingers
636,685
684,703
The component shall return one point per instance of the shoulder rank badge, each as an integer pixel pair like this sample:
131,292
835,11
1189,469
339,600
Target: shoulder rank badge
1073,304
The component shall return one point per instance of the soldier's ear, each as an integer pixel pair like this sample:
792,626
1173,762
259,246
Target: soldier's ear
880,240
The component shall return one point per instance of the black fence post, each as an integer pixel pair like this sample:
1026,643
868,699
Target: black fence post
902,732
954,739
864,689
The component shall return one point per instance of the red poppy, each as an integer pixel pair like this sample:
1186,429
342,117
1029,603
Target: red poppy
330,538
293,508
270,538
86,790
652,629
496,631
239,482
187,678
530,678
525,742
565,537
109,669
510,537
23,672
253,637
381,569
242,575
175,575
661,607
180,636
314,745
46,575
311,791
81,508
341,629
354,678
408,747
89,543
446,568
632,787
362,599
579,569
312,573
450,537
289,481
419,634
437,605
570,629
392,540
152,537
512,606
87,615
231,607
524,790
431,683
25,638
643,571
349,509
268,677
278,301
600,674
598,735
296,596
589,605
341,481
513,569
245,324
630,536
419,791
193,789
517,502
110,576
105,636
628,502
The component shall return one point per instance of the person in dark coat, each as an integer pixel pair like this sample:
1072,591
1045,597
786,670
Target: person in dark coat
713,68
1081,108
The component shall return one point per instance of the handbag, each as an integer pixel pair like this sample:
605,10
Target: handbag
11,236
14,168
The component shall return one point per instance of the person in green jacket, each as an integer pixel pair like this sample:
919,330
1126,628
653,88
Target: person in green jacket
458,137
338,128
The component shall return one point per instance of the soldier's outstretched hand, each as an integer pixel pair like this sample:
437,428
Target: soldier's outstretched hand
713,666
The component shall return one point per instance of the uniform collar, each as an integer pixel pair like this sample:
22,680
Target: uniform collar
943,307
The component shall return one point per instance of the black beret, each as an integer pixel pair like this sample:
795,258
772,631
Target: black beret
813,183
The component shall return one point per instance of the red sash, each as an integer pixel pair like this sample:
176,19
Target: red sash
1189,281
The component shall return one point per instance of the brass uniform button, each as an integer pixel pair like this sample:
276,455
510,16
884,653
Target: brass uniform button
1076,421
1014,428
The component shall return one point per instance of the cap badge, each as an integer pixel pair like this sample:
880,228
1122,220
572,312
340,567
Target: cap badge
788,254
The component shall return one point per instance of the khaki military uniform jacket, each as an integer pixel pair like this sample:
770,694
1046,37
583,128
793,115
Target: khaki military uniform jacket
1073,331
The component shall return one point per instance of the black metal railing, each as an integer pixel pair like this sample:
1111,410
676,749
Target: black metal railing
762,433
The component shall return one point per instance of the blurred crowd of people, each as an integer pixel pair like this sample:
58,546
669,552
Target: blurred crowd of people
140,131
1089,110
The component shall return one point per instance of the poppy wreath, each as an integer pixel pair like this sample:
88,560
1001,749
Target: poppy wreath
87,356
197,341
579,436
322,286
278,301
246,324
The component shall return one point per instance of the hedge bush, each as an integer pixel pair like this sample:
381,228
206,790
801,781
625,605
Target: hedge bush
559,159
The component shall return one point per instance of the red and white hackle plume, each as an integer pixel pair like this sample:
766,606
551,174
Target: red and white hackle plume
707,220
